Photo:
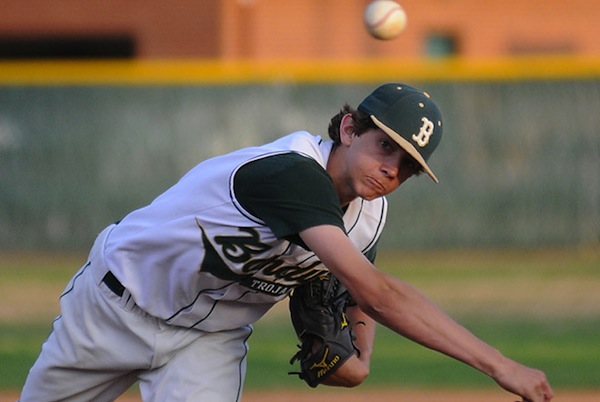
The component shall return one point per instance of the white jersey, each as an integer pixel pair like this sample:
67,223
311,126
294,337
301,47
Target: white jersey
220,247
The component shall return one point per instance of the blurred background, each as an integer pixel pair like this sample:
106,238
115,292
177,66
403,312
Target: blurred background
103,104
106,103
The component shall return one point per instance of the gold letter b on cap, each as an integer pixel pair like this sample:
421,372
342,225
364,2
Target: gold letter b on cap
424,133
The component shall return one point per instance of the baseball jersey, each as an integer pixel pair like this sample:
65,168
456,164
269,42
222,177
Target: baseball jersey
220,247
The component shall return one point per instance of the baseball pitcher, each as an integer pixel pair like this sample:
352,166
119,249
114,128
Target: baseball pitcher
168,295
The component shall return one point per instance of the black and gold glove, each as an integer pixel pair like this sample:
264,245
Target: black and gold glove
318,313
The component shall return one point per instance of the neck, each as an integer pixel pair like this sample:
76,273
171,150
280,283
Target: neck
337,170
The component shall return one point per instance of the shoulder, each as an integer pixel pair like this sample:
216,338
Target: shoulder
296,154
279,166
307,144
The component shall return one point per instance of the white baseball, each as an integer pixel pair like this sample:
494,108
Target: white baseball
385,19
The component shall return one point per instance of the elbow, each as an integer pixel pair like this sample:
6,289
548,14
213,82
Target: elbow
377,299
358,377
349,379
351,374
374,307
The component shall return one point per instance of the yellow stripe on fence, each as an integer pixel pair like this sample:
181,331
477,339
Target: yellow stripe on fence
182,72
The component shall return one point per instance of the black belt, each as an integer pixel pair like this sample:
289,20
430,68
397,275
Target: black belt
113,284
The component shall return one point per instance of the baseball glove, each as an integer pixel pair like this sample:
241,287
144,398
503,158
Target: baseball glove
318,313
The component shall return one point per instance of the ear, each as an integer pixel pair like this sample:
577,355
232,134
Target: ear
347,129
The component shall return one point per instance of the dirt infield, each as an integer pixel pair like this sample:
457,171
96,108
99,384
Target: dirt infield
408,396
344,395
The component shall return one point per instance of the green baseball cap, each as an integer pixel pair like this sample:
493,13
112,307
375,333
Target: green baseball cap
409,117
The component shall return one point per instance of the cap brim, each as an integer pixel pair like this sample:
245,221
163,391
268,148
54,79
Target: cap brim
407,146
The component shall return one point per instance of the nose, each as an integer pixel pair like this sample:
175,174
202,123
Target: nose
390,167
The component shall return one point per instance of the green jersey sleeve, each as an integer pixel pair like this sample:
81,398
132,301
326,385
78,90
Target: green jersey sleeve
289,192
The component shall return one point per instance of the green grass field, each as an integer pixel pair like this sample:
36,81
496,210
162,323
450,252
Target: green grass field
540,307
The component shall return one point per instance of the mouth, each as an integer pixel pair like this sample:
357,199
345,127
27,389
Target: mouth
376,184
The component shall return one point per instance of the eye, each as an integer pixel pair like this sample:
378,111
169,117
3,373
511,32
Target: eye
385,144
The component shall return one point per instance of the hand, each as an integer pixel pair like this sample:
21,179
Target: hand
530,384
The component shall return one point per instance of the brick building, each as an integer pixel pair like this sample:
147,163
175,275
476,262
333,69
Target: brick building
293,29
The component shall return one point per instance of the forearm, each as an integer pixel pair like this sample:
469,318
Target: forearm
408,312
402,308
397,305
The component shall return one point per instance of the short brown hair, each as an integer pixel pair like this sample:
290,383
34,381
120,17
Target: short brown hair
362,123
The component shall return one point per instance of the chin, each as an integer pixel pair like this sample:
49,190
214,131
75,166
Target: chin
370,197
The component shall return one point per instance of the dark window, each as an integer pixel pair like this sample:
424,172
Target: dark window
67,47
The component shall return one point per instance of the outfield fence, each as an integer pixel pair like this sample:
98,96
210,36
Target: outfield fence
519,164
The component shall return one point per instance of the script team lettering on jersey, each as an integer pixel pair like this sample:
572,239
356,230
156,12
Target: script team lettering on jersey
271,275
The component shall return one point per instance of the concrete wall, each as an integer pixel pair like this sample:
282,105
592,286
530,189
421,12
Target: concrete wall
518,165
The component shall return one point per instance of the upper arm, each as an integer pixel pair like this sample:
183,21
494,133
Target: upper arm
288,192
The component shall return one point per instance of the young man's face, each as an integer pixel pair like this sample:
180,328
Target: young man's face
377,165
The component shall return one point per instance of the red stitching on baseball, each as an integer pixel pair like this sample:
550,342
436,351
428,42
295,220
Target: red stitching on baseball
385,17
